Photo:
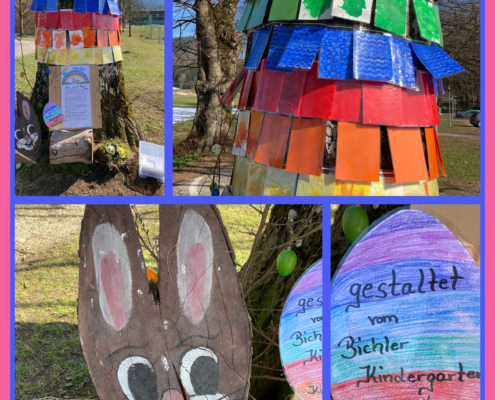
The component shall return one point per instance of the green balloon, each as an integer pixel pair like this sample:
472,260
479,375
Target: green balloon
213,186
286,262
23,74
354,222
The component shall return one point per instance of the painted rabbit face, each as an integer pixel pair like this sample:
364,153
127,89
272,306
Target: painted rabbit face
194,341
27,127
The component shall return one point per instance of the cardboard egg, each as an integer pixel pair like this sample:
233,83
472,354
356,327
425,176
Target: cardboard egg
405,314
300,334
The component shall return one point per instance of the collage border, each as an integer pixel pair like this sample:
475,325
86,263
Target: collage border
487,196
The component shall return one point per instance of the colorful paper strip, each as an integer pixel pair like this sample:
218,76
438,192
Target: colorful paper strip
272,145
255,125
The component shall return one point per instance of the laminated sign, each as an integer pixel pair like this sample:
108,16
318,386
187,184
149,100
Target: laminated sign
405,314
301,334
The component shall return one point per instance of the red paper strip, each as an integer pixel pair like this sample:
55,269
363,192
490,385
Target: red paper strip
98,21
307,143
431,147
358,152
255,84
87,21
407,154
317,99
246,90
116,23
382,104
292,92
431,100
272,145
41,20
78,21
414,103
51,19
108,21
347,100
270,85
229,96
102,36
65,20
255,125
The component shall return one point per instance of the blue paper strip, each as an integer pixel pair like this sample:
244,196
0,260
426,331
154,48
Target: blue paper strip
260,39
372,57
280,40
303,47
79,6
336,55
103,7
403,62
92,6
37,5
51,5
113,6
437,61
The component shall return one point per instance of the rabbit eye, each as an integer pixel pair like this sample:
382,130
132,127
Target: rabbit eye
199,372
19,135
137,379
28,130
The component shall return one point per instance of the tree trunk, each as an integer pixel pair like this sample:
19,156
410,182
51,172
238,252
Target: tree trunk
218,49
272,292
118,119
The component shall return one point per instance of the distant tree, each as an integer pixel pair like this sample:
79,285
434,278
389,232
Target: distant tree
22,12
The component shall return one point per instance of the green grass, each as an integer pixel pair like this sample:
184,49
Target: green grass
459,126
192,100
49,358
181,130
461,157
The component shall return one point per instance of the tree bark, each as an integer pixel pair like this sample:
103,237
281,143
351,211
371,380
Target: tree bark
218,49
270,295
119,121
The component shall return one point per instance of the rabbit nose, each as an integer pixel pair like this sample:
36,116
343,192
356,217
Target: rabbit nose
26,137
172,395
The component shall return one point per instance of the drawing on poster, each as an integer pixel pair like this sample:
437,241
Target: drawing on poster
301,334
405,305
76,97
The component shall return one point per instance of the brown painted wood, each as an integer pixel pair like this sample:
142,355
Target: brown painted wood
71,147
190,353
27,130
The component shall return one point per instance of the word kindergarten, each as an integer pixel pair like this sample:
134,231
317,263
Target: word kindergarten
406,314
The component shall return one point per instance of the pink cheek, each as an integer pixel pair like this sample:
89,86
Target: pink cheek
172,395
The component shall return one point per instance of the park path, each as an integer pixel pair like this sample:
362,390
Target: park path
28,47
41,228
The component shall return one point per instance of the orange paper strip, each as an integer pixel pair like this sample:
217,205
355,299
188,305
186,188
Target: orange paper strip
273,140
102,38
440,158
255,125
46,39
358,152
307,142
408,156
89,38
431,147
113,38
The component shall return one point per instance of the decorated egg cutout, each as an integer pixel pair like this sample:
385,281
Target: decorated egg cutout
53,116
405,314
300,334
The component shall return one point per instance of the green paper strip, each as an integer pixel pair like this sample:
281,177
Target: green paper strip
245,16
283,10
439,24
425,14
258,13
391,16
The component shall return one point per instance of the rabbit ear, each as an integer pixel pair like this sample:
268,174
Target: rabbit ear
24,108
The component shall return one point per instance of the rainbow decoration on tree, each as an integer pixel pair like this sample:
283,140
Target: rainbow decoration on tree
300,334
405,314
333,103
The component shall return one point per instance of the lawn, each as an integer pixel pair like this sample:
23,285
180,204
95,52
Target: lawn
144,74
49,358
191,100
459,126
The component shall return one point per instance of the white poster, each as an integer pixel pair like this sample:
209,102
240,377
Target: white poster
76,97
353,10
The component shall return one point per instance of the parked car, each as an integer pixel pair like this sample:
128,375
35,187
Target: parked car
467,113
476,119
